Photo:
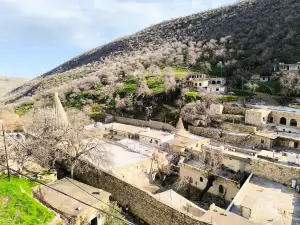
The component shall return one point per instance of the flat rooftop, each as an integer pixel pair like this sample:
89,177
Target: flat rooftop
67,205
117,156
278,108
271,202
137,146
156,134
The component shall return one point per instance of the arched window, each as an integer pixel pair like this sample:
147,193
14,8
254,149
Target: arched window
201,179
213,82
218,82
293,123
221,189
283,120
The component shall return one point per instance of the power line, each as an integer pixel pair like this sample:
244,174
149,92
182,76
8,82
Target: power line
63,193
91,194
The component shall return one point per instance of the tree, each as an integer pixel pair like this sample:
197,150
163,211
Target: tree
290,82
170,82
252,86
142,88
210,163
69,143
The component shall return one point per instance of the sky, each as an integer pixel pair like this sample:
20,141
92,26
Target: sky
38,35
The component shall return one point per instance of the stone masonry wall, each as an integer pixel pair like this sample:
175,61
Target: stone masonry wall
274,171
238,128
234,110
223,136
229,118
143,123
140,202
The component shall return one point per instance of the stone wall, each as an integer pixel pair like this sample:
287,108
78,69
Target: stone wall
273,171
228,118
141,203
224,136
238,128
143,123
234,110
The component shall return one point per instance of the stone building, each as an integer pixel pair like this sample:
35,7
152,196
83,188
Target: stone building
155,138
207,84
257,117
261,117
225,186
184,140
72,211
286,67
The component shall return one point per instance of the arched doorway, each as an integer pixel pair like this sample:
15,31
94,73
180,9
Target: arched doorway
221,189
283,120
213,82
293,123
218,82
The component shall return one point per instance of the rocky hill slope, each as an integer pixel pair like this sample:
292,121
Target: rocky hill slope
234,41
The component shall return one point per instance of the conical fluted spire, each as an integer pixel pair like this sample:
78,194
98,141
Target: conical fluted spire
180,130
60,116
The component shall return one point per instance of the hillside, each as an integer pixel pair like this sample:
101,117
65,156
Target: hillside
9,83
234,41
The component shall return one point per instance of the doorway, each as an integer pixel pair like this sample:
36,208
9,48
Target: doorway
94,221
295,144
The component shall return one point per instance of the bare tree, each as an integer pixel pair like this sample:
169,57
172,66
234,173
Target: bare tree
252,86
69,143
142,88
210,163
170,82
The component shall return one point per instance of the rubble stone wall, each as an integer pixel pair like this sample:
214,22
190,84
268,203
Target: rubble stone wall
140,202
223,136
239,128
234,110
229,118
143,123
273,171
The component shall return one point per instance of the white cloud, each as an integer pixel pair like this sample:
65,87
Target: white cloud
89,23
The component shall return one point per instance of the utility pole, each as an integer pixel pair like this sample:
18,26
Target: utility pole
6,156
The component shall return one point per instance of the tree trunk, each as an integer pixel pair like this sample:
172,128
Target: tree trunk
72,170
209,184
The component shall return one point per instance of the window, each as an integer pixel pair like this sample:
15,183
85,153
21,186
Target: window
283,120
217,89
218,82
200,84
196,183
264,118
196,84
151,141
156,142
262,141
221,189
201,179
293,123
197,145
213,82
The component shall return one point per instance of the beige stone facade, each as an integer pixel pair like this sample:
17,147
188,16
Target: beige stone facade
260,117
222,187
216,109
257,117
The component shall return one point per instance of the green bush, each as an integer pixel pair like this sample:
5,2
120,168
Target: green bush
156,84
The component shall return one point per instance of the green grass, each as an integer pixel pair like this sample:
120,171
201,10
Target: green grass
23,109
20,208
229,98
181,72
263,87
129,86
156,84
192,96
